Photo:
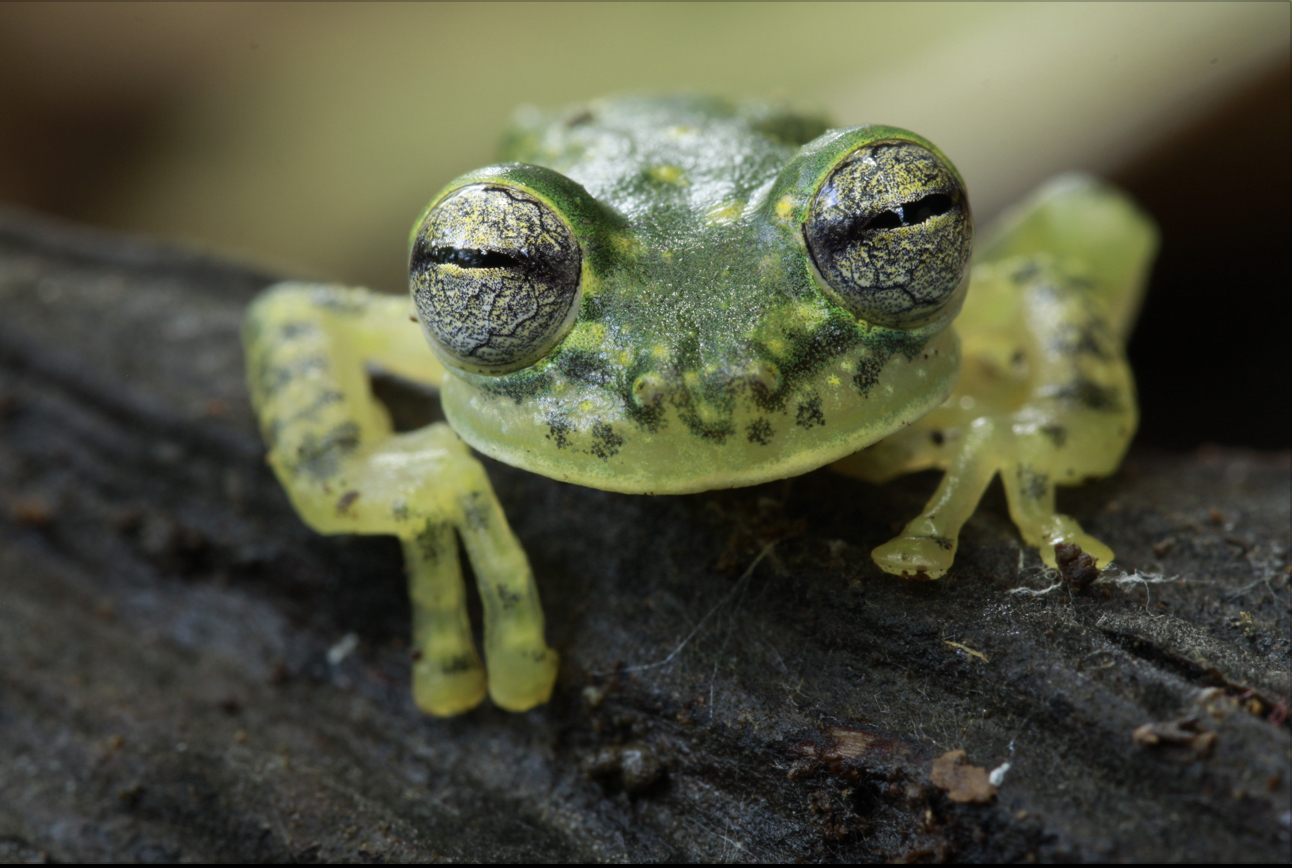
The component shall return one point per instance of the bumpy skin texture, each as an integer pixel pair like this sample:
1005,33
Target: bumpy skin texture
678,294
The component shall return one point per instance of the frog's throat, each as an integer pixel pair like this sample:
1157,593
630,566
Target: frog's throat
590,442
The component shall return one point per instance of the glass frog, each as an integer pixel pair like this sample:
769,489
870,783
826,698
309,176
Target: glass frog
670,295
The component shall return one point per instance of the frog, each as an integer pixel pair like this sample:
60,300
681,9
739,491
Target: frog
674,294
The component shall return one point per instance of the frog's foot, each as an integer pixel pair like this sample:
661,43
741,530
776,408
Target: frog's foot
447,676
916,556
1030,493
1064,529
928,544
522,676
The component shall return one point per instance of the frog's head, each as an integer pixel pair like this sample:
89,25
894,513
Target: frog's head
666,296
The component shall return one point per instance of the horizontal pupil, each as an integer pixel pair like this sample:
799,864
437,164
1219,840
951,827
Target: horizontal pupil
465,257
910,214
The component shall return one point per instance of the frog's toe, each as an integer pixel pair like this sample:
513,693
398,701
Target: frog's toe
1064,529
914,556
521,677
448,687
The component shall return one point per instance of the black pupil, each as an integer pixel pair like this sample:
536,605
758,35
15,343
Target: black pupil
465,257
911,214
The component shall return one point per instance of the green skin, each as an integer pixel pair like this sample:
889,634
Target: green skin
692,364
690,336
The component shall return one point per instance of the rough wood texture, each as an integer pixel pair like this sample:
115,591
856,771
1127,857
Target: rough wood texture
188,673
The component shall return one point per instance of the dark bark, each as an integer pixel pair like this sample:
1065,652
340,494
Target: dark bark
738,680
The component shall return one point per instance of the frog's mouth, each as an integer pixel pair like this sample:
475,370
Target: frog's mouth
686,442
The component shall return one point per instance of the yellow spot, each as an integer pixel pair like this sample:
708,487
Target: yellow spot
708,413
775,346
588,334
833,380
667,174
723,212
785,207
807,315
625,244
680,132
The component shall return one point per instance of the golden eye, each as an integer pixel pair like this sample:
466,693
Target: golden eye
890,233
494,274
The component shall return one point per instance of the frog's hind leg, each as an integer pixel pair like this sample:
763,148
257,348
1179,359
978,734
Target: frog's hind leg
927,546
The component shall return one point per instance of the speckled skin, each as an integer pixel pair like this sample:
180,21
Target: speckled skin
676,294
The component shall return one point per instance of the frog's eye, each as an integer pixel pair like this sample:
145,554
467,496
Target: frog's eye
494,274
890,233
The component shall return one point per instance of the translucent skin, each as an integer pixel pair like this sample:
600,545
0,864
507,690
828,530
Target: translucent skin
1045,395
703,351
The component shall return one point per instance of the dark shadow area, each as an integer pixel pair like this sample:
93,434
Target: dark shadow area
1211,350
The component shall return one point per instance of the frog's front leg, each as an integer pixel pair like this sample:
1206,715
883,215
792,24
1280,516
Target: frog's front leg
331,444
1046,395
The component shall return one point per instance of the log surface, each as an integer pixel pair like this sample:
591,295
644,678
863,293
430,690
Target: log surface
187,673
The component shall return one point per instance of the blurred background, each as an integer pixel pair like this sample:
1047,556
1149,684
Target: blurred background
306,137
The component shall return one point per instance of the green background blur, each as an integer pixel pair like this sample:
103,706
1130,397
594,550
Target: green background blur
308,136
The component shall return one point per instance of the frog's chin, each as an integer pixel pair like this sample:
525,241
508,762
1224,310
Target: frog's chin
595,446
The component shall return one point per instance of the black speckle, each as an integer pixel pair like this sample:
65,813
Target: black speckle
1088,394
1057,433
1032,484
520,386
584,366
458,663
320,457
475,511
507,598
558,431
868,371
296,329
1082,339
605,442
431,540
809,413
760,432
938,438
